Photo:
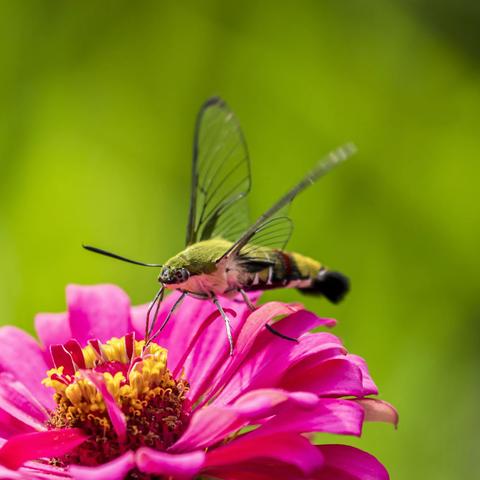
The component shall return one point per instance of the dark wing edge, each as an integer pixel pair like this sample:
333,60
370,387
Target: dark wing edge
221,177
332,159
194,183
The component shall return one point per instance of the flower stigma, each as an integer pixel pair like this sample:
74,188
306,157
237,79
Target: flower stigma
152,404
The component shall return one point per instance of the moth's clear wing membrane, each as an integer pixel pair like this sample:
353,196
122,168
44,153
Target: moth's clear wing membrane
272,234
220,175
269,219
233,222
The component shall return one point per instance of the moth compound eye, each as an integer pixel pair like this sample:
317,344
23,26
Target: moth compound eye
181,275
165,275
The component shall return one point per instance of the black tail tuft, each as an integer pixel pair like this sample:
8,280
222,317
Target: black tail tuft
333,285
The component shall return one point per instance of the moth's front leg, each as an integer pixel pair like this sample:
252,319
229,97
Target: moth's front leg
228,327
167,318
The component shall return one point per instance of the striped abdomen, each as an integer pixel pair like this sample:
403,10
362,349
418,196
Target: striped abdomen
292,270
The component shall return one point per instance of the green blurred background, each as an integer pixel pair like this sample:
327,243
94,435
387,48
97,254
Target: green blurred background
98,101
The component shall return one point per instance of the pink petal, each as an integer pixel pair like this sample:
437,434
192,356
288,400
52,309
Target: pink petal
255,324
40,471
180,329
129,344
62,358
329,415
117,469
11,425
75,350
316,347
369,387
270,358
52,328
21,356
208,426
101,311
290,449
181,466
8,474
336,376
213,423
379,411
117,417
20,412
185,360
343,462
211,350
183,328
138,314
96,345
257,470
264,402
210,355
20,396
30,446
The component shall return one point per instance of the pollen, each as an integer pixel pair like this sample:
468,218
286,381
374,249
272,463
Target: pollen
153,403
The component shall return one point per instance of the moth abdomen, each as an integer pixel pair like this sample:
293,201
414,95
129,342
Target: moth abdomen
332,285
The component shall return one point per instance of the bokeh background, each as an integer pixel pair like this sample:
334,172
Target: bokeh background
98,101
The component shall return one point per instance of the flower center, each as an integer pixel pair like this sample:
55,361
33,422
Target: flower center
152,402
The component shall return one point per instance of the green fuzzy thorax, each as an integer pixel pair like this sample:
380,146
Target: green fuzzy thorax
200,257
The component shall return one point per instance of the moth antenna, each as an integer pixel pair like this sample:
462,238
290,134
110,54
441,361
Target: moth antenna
119,257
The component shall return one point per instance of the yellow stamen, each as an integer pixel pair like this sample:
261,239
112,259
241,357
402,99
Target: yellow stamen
149,381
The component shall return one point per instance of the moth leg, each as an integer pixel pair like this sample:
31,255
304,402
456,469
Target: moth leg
228,328
154,320
250,305
157,300
280,334
167,318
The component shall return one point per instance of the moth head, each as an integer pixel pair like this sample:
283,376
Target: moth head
172,275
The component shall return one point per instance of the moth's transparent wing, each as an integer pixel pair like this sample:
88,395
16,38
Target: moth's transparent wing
251,234
231,221
220,175
274,234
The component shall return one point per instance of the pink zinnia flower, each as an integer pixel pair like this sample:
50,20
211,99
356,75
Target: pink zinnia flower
88,402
